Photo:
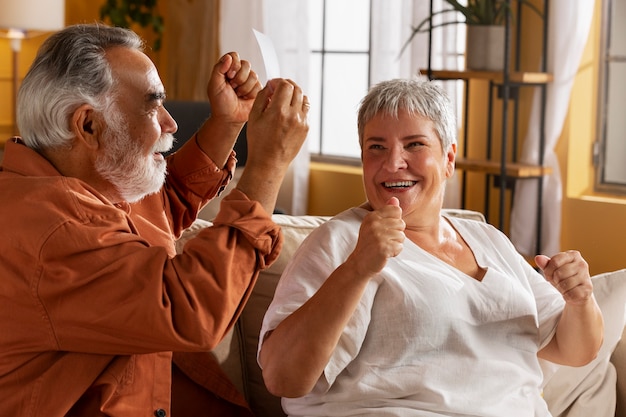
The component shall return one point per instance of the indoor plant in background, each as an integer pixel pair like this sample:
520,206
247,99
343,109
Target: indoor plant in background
485,29
124,13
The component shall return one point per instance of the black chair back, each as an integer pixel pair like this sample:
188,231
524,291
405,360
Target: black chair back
189,116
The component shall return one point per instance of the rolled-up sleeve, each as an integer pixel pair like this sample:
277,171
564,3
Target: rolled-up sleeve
193,180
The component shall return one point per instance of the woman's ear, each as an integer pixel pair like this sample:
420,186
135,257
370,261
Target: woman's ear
86,126
450,160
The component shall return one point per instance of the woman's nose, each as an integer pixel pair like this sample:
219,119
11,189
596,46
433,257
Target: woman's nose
396,158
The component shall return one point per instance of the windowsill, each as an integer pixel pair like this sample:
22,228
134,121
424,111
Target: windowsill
336,167
603,198
335,160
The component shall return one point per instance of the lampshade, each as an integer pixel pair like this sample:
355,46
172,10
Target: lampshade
32,15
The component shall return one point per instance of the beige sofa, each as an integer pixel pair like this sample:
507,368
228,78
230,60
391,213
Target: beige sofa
573,392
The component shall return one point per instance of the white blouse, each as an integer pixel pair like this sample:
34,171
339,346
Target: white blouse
426,339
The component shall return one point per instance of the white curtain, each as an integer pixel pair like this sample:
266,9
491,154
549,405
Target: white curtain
285,23
569,23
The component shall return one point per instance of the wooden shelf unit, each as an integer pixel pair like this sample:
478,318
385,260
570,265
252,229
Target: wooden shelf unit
512,169
504,168
516,77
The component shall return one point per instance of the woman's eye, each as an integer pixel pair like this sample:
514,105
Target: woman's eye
414,144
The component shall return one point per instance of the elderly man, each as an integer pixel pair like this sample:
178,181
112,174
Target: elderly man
94,298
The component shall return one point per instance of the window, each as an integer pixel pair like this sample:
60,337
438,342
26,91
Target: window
339,63
354,44
610,149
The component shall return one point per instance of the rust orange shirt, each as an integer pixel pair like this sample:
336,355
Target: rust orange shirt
93,300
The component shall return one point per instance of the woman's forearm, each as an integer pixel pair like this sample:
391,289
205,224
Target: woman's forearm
578,336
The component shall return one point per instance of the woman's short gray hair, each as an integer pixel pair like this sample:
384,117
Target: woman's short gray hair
418,97
70,70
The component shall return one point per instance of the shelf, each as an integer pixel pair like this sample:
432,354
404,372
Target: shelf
513,169
495,76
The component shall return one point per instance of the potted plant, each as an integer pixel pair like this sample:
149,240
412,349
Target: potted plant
485,29
124,13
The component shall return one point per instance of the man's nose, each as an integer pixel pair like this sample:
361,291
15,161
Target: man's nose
168,124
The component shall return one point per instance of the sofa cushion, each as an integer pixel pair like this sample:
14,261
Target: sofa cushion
295,229
618,359
590,390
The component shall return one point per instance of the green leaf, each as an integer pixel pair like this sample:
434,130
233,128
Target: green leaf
124,13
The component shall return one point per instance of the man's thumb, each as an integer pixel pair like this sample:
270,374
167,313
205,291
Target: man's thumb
393,201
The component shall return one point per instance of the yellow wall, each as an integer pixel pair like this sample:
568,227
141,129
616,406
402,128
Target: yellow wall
334,188
6,103
24,58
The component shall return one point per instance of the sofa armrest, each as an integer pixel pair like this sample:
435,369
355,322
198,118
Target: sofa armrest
619,361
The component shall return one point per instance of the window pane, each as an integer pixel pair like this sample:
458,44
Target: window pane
347,25
611,170
615,169
316,10
617,28
315,98
342,95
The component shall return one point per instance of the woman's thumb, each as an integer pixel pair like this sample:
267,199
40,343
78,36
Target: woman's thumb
542,261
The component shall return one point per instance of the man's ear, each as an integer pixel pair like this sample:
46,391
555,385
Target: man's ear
86,124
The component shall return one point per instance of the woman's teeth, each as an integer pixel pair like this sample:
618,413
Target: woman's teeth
399,184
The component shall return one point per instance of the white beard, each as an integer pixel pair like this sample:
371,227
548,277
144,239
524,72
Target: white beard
133,175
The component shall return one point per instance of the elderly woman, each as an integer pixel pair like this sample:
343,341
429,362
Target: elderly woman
394,309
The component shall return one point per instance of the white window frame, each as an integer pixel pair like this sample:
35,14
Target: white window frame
391,22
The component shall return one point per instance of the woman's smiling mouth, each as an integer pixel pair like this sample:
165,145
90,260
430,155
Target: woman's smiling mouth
399,184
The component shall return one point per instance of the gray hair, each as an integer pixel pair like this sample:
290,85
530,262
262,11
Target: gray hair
70,70
422,98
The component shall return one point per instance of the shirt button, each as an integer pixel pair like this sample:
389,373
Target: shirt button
160,413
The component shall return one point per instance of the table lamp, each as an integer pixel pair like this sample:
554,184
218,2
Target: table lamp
20,19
